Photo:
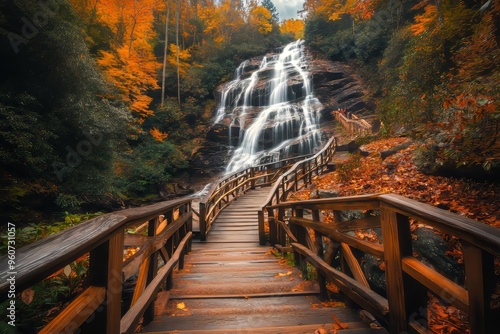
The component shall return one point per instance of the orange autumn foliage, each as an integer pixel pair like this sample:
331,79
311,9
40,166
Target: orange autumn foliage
158,135
184,56
261,18
294,27
130,64
221,21
399,174
334,9
422,22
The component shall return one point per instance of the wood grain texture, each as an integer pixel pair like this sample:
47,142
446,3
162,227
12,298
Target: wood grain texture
131,318
481,235
361,202
480,280
352,288
354,265
73,316
440,285
44,257
327,230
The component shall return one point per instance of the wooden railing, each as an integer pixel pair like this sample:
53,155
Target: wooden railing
300,175
408,280
97,308
355,125
224,191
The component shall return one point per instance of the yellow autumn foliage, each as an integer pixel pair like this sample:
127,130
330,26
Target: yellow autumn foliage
294,27
260,18
158,135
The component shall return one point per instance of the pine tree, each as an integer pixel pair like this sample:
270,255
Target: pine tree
269,5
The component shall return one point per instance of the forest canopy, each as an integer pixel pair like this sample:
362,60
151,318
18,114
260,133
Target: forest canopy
433,67
103,102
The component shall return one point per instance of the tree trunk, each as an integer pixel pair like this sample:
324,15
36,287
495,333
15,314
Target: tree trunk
178,50
165,50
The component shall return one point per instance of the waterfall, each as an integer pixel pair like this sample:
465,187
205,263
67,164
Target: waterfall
273,106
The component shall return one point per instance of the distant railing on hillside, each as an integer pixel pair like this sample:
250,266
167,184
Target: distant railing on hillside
338,257
299,175
354,125
98,308
224,191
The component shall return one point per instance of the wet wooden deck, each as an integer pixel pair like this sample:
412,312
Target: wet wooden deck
230,284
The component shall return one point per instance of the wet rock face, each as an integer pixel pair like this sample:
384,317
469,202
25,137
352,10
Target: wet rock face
334,84
337,85
219,134
210,160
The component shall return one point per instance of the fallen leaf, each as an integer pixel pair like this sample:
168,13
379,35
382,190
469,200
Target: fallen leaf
67,271
181,306
27,296
321,330
338,322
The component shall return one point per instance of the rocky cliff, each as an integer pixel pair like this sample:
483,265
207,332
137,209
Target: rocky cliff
335,85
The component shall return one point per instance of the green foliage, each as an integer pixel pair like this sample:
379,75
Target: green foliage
310,273
68,202
346,169
333,38
49,297
431,68
288,257
150,166
64,99
366,138
269,5
33,232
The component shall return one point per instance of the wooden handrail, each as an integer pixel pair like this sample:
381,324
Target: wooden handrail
98,307
355,125
228,188
301,172
408,280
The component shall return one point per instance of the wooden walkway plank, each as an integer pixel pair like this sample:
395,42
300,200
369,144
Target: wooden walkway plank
231,284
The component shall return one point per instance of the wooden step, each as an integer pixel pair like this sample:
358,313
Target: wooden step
250,322
353,328
230,284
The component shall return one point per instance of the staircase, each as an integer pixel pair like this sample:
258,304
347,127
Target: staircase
230,284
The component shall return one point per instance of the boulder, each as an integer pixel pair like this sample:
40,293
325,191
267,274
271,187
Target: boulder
320,193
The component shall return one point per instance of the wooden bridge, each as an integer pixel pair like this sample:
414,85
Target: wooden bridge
225,280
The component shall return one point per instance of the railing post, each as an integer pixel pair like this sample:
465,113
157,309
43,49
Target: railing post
480,281
170,251
149,314
300,233
283,189
407,299
188,227
262,232
304,176
309,172
252,174
203,222
105,269
319,247
272,227
281,234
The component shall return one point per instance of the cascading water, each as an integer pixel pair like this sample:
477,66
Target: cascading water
273,106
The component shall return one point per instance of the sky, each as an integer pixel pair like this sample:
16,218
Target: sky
288,8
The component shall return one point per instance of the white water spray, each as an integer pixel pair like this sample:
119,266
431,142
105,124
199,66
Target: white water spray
288,121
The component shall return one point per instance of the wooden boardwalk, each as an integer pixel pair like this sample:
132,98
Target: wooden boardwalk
230,284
